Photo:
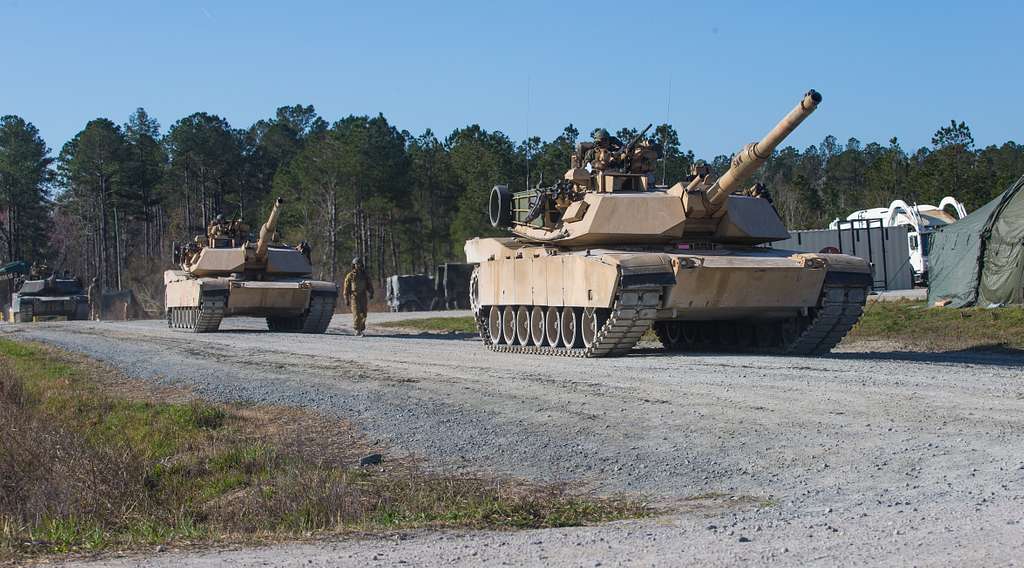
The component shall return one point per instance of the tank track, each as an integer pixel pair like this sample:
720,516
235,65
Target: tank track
630,317
840,307
204,318
315,320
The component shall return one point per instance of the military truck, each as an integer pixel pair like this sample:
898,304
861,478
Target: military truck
451,286
11,275
604,254
409,292
225,273
54,297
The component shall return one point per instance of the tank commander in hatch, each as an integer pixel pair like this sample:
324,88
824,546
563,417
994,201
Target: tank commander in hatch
358,290
760,191
306,251
218,227
604,153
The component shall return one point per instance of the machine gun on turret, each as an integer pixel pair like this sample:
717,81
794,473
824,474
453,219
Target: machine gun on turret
627,150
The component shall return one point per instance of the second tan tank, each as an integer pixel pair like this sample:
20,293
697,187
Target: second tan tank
600,257
225,274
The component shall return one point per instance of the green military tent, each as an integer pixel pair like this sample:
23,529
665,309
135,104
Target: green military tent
979,260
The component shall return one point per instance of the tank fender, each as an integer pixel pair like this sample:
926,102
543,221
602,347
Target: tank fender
644,270
214,285
319,286
842,269
174,276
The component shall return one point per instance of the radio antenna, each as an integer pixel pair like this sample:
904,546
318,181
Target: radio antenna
668,114
527,131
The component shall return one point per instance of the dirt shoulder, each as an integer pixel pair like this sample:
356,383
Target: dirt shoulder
94,461
865,457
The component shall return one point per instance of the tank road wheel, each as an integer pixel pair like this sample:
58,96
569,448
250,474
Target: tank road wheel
727,334
508,325
474,290
494,324
538,333
552,326
670,334
570,328
593,319
790,330
766,337
523,325
744,335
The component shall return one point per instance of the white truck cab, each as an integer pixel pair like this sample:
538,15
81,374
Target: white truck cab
921,222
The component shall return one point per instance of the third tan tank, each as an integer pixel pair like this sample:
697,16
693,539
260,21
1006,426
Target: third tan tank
603,255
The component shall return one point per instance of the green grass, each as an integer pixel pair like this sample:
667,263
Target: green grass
450,324
914,325
84,469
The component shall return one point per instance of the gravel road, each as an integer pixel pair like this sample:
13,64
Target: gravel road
864,457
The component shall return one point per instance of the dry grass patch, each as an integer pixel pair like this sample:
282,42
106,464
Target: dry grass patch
447,324
915,326
90,461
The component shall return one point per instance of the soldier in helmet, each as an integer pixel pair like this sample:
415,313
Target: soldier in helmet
95,294
358,290
220,226
604,154
306,250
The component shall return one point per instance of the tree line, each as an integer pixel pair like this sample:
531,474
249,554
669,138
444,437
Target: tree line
115,197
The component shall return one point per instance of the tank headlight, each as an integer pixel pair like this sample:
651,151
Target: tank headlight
680,262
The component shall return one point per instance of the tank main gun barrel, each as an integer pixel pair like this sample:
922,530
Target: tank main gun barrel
753,155
268,228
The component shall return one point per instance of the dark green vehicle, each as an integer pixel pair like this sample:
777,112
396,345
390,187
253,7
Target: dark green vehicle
52,297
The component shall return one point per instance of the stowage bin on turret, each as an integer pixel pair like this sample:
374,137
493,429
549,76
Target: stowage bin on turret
226,274
598,258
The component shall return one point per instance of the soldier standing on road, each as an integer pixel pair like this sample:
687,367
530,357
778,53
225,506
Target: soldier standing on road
358,291
95,293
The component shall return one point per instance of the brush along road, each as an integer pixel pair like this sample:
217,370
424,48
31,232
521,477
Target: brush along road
859,457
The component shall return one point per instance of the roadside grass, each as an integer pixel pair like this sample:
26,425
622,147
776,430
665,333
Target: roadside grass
915,325
908,324
89,466
448,324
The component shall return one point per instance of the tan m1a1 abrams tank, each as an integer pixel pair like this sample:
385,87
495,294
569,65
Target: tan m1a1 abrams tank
604,254
225,274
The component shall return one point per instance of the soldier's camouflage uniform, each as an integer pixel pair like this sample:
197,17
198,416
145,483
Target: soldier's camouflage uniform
95,294
358,291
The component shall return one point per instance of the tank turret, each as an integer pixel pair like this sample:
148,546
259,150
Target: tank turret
609,196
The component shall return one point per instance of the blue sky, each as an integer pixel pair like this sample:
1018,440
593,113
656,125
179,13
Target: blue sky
885,68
